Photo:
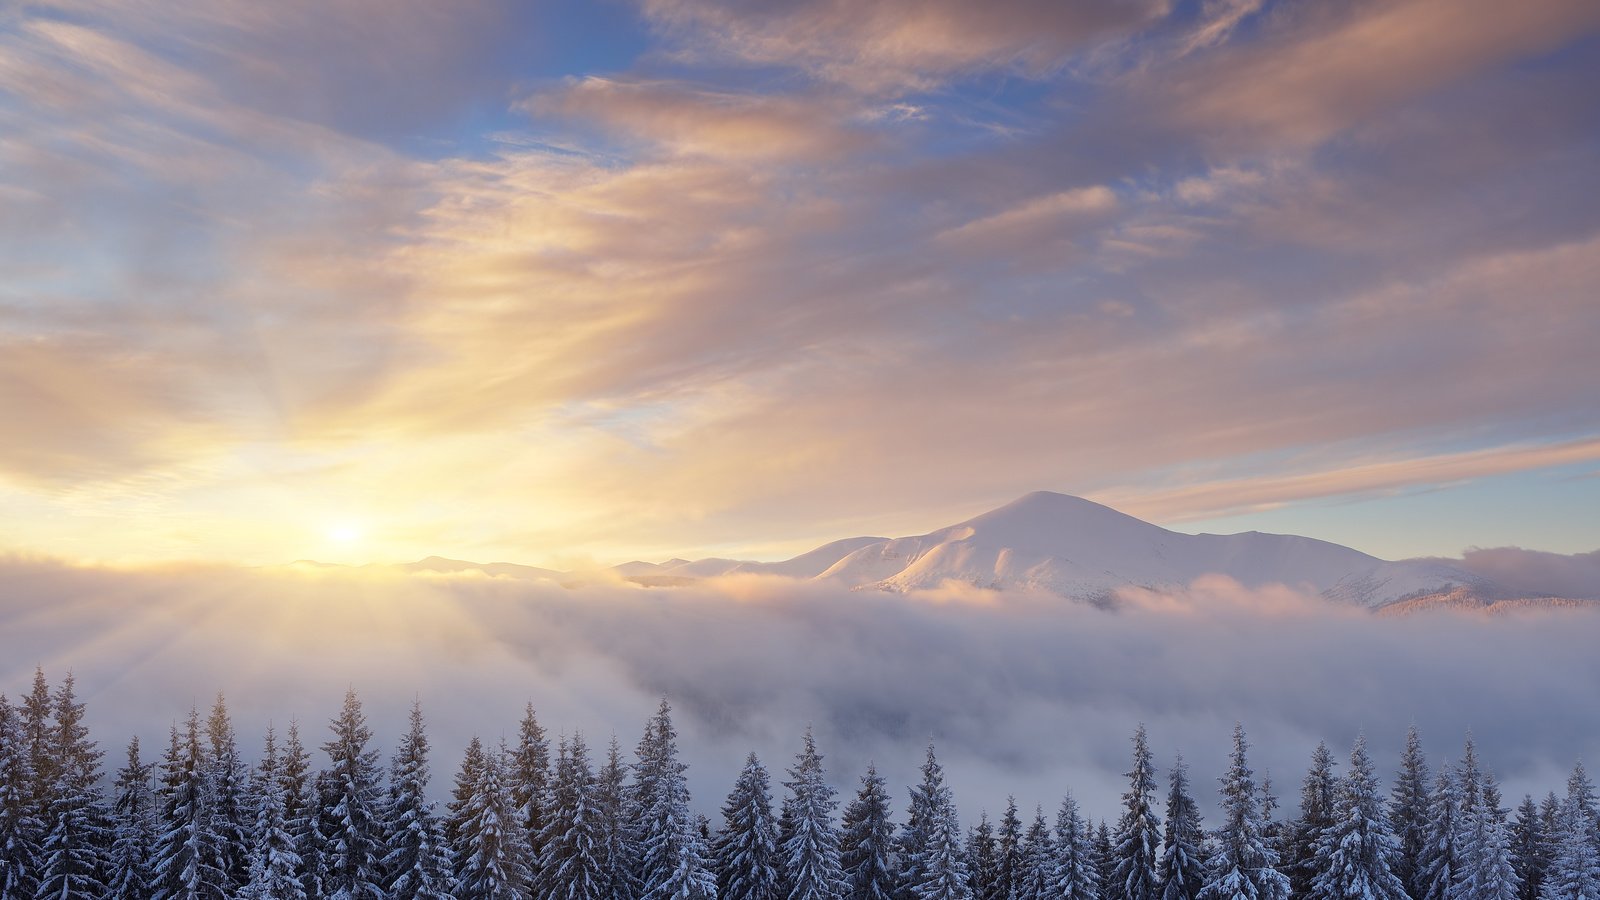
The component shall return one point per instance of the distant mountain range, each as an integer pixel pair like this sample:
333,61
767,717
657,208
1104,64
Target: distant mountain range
1079,549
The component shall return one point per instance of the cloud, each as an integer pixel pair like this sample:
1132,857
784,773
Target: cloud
1535,573
899,45
1021,692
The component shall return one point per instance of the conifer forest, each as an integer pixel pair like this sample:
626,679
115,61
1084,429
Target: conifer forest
324,815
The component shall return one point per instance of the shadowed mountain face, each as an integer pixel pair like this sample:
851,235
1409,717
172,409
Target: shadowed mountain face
1073,547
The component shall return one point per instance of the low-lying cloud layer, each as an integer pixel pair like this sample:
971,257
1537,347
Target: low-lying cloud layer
1022,693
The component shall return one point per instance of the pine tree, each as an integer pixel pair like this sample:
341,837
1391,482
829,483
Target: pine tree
867,842
1487,869
188,854
302,812
811,854
1440,857
936,870
1355,852
1574,870
466,782
1528,849
1009,847
530,781
571,867
273,872
132,866
1138,833
19,827
354,851
1181,873
1073,875
1105,856
78,836
982,859
37,729
1241,866
229,811
747,850
619,856
490,852
1316,815
417,863
1408,815
673,854
1038,860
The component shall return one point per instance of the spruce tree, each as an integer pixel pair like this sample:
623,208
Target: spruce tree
530,781
1009,847
1355,852
466,782
571,866
619,855
1408,815
1073,874
1440,855
188,855
302,813
1316,815
1105,856
273,870
810,855
416,865
132,864
490,849
982,859
1138,832
78,833
747,850
1528,849
229,810
1038,860
1241,865
352,817
1181,872
37,729
867,842
673,853
19,827
1574,870
1487,870
936,871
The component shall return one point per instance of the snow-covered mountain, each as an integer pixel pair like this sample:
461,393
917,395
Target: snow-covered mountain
1081,549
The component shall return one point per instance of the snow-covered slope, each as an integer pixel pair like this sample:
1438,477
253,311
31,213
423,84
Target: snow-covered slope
1081,549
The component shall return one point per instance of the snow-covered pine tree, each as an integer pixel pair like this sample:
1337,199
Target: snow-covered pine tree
619,856
673,854
1073,875
1469,781
1439,859
1138,832
416,865
37,730
747,850
981,859
1528,851
1009,848
1105,857
1181,872
1574,870
1272,831
529,773
1355,852
490,850
1242,866
1408,815
1487,870
188,855
811,854
1582,803
273,872
911,844
941,873
19,827
1038,860
353,855
301,814
131,873
571,867
866,843
78,835
1316,815
466,782
231,815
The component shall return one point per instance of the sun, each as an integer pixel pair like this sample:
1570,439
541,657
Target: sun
344,533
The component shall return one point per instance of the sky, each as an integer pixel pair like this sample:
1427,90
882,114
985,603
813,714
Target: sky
566,282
